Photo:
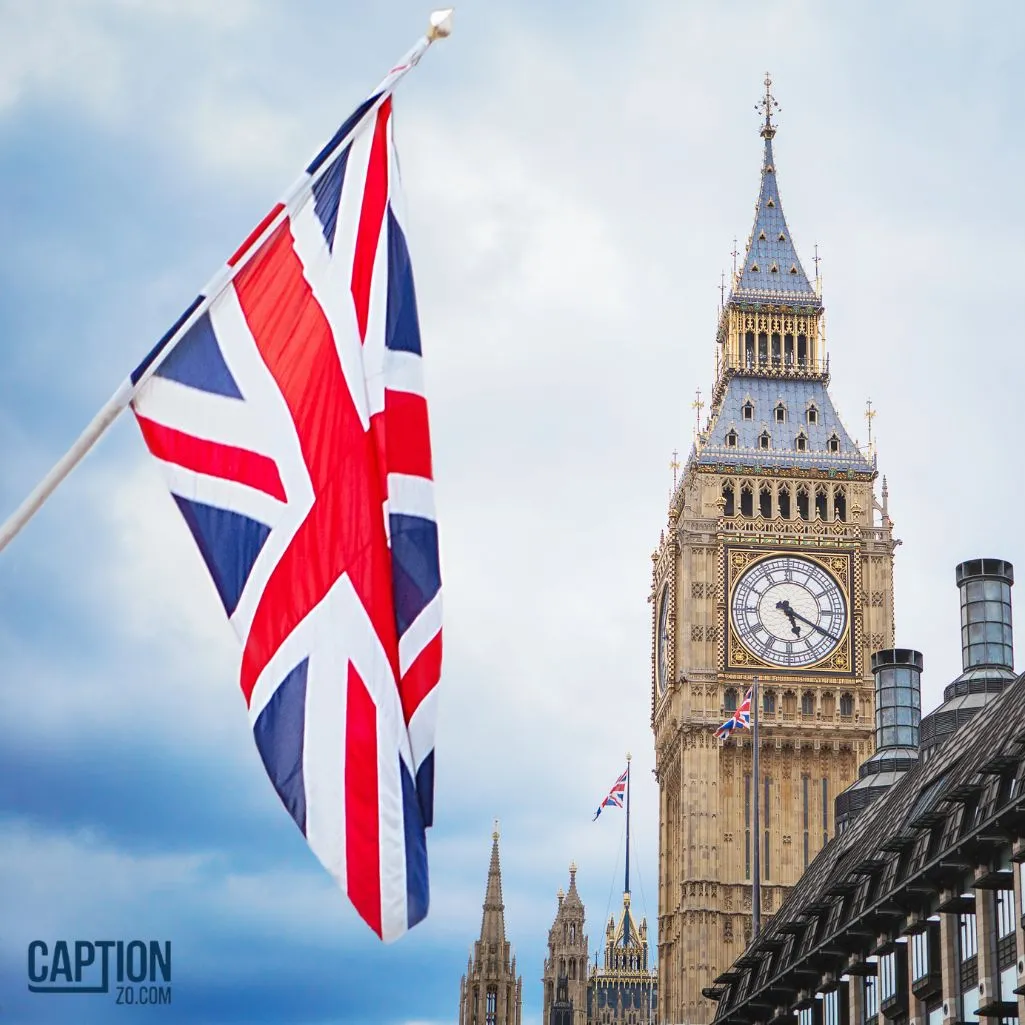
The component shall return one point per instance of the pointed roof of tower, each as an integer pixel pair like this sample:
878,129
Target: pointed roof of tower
572,898
492,926
771,271
626,931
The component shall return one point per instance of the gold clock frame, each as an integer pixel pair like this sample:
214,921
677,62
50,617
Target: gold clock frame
838,563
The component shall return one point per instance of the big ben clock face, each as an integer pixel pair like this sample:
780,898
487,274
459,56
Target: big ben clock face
789,611
662,640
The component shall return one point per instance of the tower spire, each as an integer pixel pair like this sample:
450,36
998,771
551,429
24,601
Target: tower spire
492,928
771,271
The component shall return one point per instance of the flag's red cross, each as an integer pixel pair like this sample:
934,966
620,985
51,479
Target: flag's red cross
344,531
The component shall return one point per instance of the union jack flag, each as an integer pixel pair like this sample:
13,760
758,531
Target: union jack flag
740,720
287,411
615,796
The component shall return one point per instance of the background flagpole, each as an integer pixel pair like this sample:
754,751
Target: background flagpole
439,27
756,862
626,883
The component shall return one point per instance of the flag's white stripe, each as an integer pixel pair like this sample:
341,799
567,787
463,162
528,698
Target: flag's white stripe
223,494
374,352
422,727
203,415
411,496
370,662
391,826
324,742
420,633
403,371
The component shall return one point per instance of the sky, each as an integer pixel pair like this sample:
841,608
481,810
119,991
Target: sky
575,176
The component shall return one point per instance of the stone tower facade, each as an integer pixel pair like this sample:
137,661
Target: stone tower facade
490,993
776,561
566,963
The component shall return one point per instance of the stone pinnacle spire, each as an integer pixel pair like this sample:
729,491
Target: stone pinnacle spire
492,928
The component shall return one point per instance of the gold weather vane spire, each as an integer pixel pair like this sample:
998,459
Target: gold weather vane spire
697,405
675,466
870,415
767,105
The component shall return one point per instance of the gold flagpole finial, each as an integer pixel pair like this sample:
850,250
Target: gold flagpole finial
440,24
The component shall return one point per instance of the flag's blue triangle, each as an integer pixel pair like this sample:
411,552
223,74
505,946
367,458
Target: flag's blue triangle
279,732
197,361
229,543
327,194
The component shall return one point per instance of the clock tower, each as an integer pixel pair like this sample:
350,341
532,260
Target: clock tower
776,561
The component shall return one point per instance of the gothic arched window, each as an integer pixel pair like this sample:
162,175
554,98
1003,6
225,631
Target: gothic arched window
769,702
729,700
847,704
808,703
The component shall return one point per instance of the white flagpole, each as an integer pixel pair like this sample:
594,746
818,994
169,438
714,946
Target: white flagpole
439,27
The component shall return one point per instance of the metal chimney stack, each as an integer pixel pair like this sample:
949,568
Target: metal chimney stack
986,633
898,673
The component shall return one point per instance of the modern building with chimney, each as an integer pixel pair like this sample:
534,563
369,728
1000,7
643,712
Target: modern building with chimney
913,913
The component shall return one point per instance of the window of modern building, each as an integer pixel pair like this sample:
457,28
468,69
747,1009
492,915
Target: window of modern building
970,1004
870,1000
968,938
1005,913
920,955
831,1008
934,1016
887,977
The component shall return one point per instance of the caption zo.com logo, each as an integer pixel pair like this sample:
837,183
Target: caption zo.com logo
133,971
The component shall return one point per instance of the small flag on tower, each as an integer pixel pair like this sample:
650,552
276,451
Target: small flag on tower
740,720
615,797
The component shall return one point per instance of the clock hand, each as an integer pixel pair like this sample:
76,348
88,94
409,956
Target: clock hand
789,613
815,626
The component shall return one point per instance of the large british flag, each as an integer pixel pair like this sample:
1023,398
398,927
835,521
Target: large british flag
287,411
